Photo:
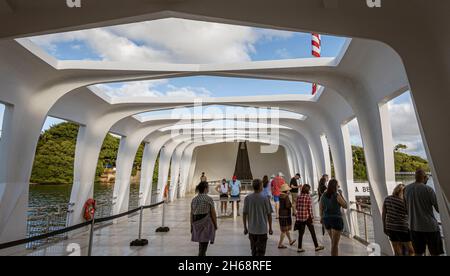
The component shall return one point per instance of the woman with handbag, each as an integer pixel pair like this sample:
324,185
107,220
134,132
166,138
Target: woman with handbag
203,219
305,218
285,216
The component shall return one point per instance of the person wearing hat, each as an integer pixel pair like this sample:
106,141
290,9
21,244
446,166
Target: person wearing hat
285,216
235,187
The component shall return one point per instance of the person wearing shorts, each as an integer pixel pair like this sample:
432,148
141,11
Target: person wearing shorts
395,223
235,187
421,201
224,191
331,216
277,182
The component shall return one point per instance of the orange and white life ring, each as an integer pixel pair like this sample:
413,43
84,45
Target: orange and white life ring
89,209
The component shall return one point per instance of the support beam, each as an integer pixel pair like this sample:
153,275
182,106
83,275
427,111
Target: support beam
21,127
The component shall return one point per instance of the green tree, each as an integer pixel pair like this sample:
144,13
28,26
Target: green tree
108,154
400,147
55,154
403,162
53,163
359,164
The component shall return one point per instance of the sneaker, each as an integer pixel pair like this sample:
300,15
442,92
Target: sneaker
301,250
320,248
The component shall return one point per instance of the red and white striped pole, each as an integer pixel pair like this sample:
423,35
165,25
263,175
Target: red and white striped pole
316,51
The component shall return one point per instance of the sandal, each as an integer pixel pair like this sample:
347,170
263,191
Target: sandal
282,247
292,243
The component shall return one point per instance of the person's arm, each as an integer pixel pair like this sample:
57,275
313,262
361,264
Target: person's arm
269,216
342,201
321,211
192,220
244,220
434,200
310,207
214,217
293,184
383,217
269,219
288,203
245,216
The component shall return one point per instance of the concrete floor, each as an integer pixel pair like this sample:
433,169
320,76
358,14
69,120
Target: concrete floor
114,240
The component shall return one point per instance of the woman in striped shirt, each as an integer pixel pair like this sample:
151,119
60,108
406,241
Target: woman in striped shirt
395,222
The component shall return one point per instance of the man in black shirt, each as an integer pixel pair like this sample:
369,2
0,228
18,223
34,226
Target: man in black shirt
295,187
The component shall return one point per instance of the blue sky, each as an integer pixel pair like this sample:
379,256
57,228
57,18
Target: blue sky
295,46
195,42
185,41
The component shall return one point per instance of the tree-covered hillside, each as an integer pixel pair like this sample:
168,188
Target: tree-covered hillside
403,162
55,154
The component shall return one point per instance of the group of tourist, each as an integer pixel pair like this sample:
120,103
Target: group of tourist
408,216
290,200
409,221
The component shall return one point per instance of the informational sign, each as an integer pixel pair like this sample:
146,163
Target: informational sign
362,189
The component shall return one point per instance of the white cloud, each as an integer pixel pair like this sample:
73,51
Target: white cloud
76,47
167,40
405,128
271,34
153,88
133,89
188,92
283,53
355,135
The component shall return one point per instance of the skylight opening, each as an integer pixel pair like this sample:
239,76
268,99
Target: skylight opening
213,112
203,87
225,125
182,41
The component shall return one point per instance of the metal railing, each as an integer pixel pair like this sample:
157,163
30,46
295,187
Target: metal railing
44,220
363,215
65,230
246,186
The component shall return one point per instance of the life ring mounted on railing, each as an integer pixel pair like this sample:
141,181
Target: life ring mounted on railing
89,209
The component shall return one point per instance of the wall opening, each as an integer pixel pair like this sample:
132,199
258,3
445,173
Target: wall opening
409,150
105,175
361,210
155,178
52,174
136,178
51,178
